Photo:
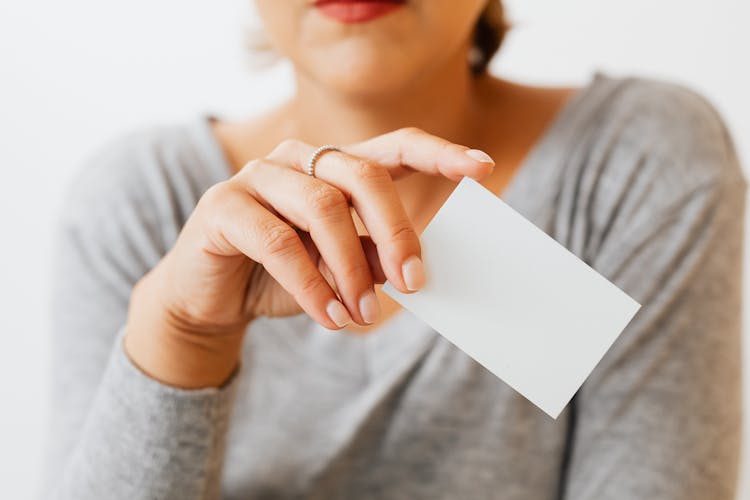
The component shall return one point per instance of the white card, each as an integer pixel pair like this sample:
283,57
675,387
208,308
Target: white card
513,298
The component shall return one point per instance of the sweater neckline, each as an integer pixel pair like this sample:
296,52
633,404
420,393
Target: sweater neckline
221,168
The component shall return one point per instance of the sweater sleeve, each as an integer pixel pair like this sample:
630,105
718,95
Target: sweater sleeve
114,432
660,416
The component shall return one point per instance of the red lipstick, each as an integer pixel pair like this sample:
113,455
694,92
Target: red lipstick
356,11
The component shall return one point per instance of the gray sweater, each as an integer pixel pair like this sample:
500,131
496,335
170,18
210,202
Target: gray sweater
637,177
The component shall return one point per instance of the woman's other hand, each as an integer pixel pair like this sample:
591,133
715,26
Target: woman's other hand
275,241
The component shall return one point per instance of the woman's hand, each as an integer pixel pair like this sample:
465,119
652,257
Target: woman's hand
275,241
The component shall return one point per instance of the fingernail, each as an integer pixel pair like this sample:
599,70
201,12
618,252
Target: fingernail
338,313
413,273
369,306
480,156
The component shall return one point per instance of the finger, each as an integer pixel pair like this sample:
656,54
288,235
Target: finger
374,196
244,224
312,250
371,251
327,274
408,149
402,151
323,211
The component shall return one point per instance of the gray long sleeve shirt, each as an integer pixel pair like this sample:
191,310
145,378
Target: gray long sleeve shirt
637,177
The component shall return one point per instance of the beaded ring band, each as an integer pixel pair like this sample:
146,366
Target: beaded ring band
316,154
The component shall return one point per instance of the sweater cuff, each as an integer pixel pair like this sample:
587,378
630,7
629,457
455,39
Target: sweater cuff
164,411
155,439
140,385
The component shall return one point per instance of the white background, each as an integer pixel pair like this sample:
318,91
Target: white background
74,74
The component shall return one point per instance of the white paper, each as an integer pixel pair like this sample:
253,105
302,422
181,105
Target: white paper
513,298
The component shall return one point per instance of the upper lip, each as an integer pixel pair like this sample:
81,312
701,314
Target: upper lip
323,2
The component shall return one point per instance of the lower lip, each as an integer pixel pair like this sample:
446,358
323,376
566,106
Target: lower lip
356,11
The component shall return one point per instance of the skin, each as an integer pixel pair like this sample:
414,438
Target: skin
397,96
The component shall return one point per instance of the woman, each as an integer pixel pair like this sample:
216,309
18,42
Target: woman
220,331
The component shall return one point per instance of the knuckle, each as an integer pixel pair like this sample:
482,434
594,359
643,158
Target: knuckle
286,146
324,198
214,205
312,283
411,131
277,238
251,166
371,172
403,231
445,147
356,272
216,195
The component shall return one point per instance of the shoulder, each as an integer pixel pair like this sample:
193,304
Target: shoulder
636,155
650,150
142,182
675,134
139,164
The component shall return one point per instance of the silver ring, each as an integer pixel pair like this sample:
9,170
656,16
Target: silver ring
316,154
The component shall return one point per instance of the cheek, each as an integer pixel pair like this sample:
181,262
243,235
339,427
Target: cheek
281,21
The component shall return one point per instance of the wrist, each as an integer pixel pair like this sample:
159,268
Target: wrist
173,352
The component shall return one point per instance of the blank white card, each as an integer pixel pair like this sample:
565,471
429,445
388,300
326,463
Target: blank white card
513,298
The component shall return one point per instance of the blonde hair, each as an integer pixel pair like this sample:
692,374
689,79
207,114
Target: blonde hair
489,33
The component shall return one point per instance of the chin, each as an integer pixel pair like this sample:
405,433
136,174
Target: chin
365,71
